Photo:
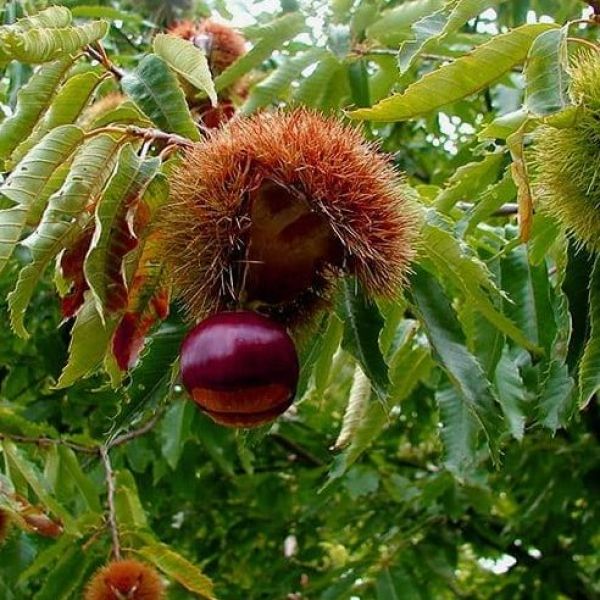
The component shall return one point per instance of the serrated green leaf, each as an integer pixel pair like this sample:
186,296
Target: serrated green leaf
436,26
84,11
362,325
491,200
47,557
52,17
151,378
459,79
546,75
102,267
511,393
43,45
504,125
34,479
589,367
313,90
70,100
126,113
90,338
273,36
529,300
66,575
467,181
175,430
278,83
558,398
129,510
447,339
32,101
187,60
410,363
459,432
154,88
88,490
27,185
471,275
330,343
90,171
178,568
394,25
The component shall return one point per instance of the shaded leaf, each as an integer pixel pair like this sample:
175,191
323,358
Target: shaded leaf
277,84
447,339
362,325
90,339
154,88
589,367
459,432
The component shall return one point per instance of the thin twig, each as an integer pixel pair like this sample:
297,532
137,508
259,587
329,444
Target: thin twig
130,435
100,55
112,516
584,22
45,441
296,449
146,133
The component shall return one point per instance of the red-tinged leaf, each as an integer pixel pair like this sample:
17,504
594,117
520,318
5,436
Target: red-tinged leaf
114,235
71,266
148,303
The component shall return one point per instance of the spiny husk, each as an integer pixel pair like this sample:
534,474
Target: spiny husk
326,162
566,161
125,579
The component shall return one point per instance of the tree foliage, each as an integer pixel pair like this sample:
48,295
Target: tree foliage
465,411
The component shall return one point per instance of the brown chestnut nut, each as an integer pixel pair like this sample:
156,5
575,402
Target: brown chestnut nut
241,368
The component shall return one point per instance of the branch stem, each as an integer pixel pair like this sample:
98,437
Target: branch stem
112,515
148,133
98,53
45,441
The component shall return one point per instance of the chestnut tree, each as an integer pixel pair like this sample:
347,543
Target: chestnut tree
380,218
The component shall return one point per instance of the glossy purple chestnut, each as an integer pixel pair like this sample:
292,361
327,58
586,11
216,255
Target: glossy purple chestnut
241,368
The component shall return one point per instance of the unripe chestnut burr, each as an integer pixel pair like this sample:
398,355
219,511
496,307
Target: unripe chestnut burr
241,368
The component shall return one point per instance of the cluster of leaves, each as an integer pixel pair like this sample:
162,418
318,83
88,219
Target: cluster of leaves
446,410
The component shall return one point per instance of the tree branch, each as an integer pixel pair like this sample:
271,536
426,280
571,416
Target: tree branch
130,435
296,449
46,441
146,133
112,516
100,55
